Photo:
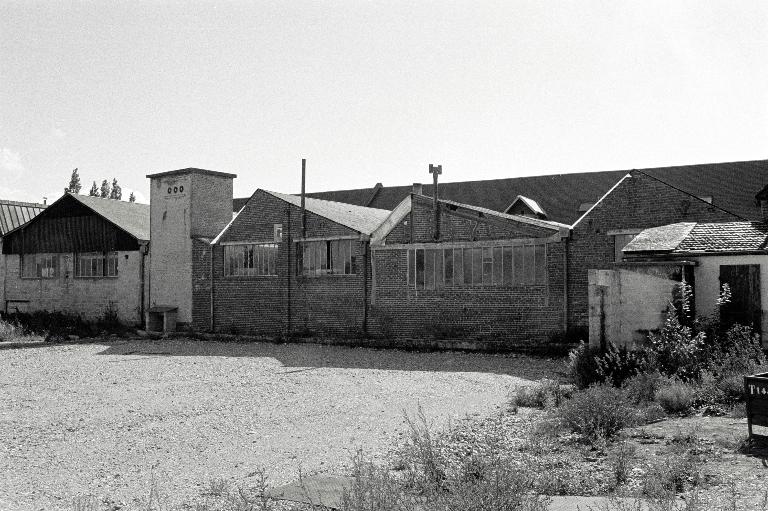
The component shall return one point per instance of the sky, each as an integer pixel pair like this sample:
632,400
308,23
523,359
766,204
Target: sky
373,92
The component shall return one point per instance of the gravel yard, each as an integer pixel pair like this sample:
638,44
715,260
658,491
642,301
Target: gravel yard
105,419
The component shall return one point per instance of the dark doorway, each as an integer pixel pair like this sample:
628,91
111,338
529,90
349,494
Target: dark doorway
744,307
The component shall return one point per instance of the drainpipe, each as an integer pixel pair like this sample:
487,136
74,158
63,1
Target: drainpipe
289,244
212,321
565,285
365,286
143,250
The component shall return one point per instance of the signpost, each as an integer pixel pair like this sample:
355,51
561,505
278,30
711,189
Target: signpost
756,392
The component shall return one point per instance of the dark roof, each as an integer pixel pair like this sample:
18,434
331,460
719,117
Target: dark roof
698,238
132,217
362,219
191,170
732,186
13,214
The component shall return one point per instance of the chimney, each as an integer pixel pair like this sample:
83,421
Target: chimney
762,198
418,188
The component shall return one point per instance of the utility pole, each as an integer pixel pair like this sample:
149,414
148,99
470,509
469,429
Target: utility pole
436,170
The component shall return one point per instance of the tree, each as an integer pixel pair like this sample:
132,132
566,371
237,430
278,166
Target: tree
74,182
117,192
104,191
132,198
94,190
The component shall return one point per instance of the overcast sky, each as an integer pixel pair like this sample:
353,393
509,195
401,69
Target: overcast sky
373,91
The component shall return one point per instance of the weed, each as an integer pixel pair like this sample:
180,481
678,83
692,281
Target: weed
543,394
599,412
620,462
676,396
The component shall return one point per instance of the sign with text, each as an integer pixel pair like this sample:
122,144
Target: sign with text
756,394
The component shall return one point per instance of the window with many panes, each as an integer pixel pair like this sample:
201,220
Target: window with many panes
250,259
327,257
517,265
40,266
96,264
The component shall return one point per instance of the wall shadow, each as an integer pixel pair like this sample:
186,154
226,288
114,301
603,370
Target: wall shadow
306,355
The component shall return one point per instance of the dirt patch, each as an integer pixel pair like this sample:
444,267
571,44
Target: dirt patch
106,419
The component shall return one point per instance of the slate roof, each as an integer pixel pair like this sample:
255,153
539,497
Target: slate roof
701,238
13,214
132,217
732,186
362,219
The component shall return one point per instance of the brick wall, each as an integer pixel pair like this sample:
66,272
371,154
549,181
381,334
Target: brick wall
462,225
322,305
638,202
504,314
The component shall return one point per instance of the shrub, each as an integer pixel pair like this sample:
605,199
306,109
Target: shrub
671,475
676,396
583,366
587,366
598,412
737,350
641,388
677,350
543,394
616,365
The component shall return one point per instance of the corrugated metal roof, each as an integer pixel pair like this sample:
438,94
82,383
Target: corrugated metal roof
13,214
732,186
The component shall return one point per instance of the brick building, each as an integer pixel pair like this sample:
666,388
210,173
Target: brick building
490,260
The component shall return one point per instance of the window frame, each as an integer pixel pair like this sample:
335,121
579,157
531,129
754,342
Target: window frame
317,258
495,263
49,257
103,261
252,259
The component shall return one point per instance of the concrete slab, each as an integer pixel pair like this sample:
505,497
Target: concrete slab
327,490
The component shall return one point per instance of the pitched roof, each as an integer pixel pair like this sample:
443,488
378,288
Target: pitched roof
13,214
660,239
704,238
518,218
362,219
732,186
132,217
530,204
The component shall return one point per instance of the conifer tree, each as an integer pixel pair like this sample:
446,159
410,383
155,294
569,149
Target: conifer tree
132,198
117,192
74,182
94,190
104,191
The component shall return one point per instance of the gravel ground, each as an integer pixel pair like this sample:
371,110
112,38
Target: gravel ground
107,419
